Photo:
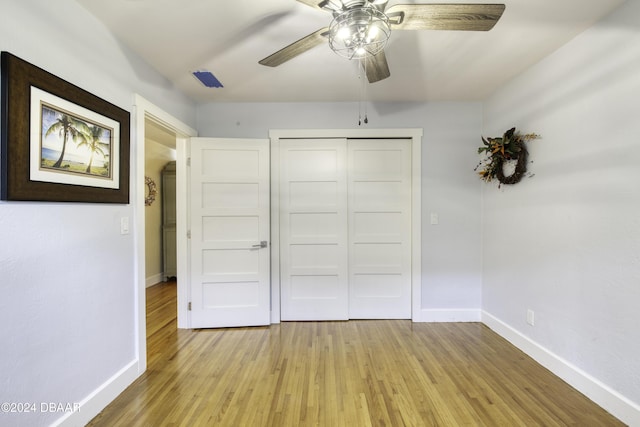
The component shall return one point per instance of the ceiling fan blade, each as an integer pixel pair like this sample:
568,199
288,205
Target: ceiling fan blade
381,5
461,17
377,67
323,4
296,48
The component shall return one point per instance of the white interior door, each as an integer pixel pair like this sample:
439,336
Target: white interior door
313,225
379,229
229,220
345,229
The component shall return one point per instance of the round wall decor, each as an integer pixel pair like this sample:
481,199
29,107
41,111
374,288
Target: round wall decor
511,147
152,191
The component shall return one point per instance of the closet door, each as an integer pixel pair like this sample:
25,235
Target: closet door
313,225
379,229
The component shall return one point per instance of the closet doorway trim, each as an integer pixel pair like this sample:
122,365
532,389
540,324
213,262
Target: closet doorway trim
416,201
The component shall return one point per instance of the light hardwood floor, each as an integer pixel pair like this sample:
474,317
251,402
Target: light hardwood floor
356,373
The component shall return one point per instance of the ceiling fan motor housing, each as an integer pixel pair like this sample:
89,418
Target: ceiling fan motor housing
359,31
348,4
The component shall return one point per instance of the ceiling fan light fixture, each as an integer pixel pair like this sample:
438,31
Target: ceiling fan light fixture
373,33
343,33
359,32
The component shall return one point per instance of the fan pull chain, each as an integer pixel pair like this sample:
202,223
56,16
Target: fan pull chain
362,72
360,97
364,90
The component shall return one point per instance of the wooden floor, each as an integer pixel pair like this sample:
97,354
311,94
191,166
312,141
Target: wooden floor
356,373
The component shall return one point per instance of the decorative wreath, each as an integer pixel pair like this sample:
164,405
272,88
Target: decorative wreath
499,150
152,191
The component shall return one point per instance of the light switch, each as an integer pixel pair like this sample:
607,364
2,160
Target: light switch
434,218
124,225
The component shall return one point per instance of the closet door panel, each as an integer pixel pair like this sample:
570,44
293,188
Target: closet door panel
379,229
313,230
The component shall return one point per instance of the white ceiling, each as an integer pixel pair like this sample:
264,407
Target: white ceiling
229,38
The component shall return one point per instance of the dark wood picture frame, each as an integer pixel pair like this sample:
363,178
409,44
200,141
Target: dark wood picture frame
18,79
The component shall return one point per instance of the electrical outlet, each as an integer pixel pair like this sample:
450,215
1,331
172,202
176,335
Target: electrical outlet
530,317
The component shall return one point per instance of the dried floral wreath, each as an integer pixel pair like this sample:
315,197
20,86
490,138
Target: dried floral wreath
510,147
152,191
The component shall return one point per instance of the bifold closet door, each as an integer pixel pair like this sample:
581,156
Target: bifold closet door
379,229
313,230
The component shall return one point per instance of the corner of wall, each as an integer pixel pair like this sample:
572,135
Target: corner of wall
607,398
93,404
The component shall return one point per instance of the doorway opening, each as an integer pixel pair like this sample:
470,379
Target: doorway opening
149,119
160,203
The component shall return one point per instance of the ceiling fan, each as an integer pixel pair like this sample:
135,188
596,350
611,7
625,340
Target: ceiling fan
361,28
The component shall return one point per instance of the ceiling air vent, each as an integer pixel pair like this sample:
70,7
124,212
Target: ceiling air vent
207,78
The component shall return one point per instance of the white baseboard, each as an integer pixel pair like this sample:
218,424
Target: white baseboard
449,315
613,402
607,398
155,279
100,398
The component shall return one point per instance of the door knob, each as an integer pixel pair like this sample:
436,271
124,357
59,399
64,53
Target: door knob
262,244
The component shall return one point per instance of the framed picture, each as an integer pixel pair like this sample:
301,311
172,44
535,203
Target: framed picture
59,143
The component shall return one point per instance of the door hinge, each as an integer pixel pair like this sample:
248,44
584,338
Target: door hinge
188,234
189,306
188,161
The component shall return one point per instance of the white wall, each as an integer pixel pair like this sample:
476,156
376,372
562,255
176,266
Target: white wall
451,261
566,243
67,305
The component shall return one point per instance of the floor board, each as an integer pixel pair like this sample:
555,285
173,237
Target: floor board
356,373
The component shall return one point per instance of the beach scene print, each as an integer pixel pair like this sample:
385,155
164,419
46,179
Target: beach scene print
74,145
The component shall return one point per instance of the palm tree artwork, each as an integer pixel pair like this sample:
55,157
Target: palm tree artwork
67,126
60,127
94,143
